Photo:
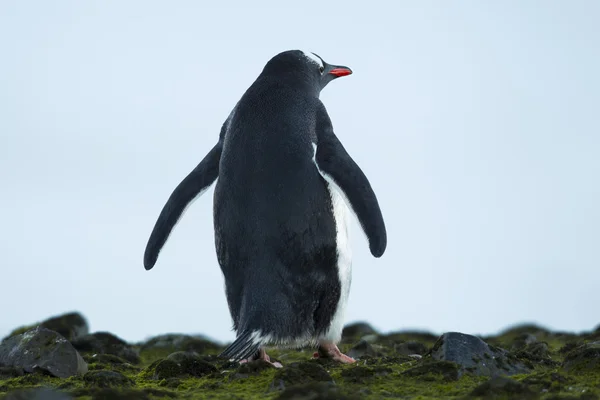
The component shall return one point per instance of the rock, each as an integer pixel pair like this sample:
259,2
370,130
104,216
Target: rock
410,348
176,342
106,343
476,356
316,391
70,325
448,371
536,352
251,368
11,372
427,338
357,330
501,387
105,379
37,394
299,373
183,364
42,349
362,349
585,358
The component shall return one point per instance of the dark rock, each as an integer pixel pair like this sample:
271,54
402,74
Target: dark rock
183,364
71,325
585,358
357,330
521,329
411,347
362,349
37,394
316,391
104,379
446,370
106,343
476,356
426,338
299,373
567,347
501,387
536,352
42,349
251,368
11,372
175,342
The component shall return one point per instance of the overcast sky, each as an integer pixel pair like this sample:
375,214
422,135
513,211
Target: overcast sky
476,122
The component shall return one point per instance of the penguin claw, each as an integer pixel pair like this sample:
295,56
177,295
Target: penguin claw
262,355
330,350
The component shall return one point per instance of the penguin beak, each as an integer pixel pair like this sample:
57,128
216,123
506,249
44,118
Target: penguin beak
338,71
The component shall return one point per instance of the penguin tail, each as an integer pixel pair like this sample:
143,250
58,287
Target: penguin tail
244,346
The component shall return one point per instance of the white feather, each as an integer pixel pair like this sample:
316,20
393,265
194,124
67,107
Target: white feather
313,58
341,208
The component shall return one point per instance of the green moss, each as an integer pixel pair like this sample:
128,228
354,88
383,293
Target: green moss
391,375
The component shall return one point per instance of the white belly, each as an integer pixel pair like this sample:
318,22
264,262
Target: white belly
341,214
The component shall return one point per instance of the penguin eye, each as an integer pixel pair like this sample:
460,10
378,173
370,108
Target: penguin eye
321,69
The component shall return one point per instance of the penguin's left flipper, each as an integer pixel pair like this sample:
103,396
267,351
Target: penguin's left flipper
339,169
194,184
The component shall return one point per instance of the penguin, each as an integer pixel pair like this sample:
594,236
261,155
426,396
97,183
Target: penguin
285,191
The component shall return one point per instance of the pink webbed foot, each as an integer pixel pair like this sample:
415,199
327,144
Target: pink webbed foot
262,355
330,350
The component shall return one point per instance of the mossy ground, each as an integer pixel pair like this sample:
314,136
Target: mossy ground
375,377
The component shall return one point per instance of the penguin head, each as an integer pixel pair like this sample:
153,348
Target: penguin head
305,68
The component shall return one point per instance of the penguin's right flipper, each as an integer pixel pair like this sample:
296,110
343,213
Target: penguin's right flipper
190,188
337,167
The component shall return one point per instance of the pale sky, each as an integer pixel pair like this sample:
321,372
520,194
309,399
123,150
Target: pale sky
476,123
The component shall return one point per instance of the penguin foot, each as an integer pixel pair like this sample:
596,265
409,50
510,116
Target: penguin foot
262,355
330,350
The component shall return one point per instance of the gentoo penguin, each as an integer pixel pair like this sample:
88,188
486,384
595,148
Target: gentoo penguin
284,191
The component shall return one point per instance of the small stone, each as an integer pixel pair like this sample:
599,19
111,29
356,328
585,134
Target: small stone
42,349
299,373
502,386
476,356
583,358
106,343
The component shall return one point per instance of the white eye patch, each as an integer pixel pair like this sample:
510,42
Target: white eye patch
313,58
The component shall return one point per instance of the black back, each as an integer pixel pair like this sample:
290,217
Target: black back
274,230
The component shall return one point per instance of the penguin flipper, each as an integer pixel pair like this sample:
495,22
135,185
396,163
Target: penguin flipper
192,186
338,168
